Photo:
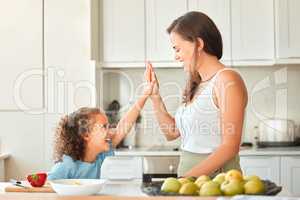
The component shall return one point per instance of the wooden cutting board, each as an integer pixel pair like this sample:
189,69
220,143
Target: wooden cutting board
45,189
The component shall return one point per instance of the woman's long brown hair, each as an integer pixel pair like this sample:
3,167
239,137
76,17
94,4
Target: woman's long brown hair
191,26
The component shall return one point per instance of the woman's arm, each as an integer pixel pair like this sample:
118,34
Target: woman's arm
166,121
232,98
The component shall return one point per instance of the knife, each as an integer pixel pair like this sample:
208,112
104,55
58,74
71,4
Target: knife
17,183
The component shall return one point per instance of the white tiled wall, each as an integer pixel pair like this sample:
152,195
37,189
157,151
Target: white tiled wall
272,93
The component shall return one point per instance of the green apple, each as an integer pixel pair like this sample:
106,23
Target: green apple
201,180
192,178
210,188
171,185
254,187
220,178
189,189
232,187
183,180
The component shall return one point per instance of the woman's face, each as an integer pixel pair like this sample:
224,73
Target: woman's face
184,50
98,136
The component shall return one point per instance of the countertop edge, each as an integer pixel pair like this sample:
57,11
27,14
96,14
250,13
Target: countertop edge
243,152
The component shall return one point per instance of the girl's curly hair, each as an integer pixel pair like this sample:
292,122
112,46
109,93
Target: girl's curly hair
70,131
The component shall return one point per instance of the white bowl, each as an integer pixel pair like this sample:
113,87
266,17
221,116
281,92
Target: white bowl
77,186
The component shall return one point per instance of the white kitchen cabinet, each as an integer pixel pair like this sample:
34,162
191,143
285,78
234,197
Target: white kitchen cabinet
290,174
123,39
219,12
287,29
252,32
159,15
21,55
70,73
266,167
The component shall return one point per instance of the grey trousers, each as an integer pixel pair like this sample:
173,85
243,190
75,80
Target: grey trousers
188,160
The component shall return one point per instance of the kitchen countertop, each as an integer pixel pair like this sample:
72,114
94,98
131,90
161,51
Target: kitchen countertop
55,197
113,190
245,151
119,190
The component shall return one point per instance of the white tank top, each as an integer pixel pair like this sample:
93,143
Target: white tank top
199,122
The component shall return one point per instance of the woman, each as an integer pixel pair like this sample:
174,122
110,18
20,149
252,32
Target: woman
210,120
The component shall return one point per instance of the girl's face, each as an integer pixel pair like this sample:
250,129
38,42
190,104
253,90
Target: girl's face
184,50
97,138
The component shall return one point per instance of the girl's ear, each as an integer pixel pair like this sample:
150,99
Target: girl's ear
200,44
86,137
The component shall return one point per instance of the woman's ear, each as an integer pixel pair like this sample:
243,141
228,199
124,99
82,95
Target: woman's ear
200,44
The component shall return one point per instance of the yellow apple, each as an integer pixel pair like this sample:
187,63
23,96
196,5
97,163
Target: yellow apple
254,187
210,188
251,178
189,189
171,185
232,187
234,174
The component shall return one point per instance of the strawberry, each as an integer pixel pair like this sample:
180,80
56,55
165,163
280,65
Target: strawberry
37,180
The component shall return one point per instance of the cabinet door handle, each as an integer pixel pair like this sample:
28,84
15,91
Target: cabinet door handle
171,168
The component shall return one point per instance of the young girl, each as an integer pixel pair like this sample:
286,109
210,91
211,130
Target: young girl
83,140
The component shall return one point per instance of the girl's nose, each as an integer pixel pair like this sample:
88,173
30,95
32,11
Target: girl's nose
110,134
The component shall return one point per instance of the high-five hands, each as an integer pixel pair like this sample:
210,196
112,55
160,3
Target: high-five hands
151,88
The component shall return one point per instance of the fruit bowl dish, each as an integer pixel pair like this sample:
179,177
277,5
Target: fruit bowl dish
77,186
154,189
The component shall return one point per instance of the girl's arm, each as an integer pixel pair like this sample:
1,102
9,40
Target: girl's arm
128,120
232,100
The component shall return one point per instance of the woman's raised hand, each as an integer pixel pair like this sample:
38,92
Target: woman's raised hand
151,87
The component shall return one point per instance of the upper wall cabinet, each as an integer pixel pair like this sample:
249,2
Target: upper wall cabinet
159,15
123,39
288,29
219,12
252,32
21,60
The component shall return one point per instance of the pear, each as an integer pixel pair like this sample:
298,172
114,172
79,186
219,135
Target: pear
171,185
210,188
232,187
254,187
189,189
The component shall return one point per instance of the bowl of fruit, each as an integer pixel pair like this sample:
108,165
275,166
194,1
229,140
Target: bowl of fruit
230,183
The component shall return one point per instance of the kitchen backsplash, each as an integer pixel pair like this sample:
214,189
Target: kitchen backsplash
272,90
